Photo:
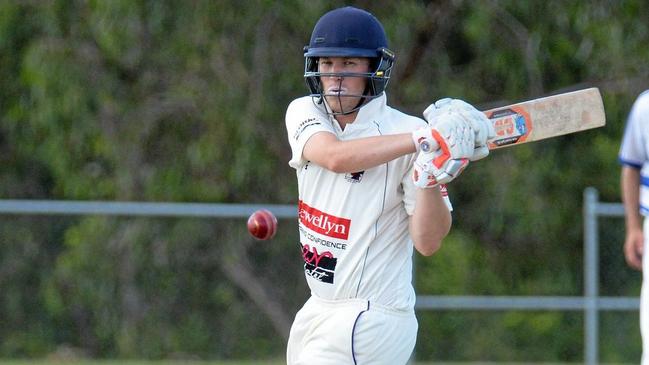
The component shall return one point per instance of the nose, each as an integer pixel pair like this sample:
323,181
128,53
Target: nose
337,68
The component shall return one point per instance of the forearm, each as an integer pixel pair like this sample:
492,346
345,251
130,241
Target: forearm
634,240
356,154
630,182
430,222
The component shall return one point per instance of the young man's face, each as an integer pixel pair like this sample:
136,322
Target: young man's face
338,89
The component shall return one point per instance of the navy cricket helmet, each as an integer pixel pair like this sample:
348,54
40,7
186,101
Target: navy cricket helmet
349,32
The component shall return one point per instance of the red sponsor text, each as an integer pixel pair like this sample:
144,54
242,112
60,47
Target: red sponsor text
323,223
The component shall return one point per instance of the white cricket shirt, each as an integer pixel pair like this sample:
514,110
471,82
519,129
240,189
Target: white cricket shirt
635,144
354,226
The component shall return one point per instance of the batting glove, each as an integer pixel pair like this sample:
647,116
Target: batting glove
444,150
481,125
451,138
427,174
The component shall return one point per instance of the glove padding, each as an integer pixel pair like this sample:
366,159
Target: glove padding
451,138
444,150
427,174
458,133
483,128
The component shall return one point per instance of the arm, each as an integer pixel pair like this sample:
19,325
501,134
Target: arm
634,241
430,222
326,150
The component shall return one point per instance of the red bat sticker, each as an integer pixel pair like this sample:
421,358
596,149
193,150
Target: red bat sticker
512,125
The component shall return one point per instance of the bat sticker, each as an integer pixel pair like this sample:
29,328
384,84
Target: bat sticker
512,125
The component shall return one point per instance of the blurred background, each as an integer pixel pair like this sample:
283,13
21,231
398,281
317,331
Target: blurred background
184,101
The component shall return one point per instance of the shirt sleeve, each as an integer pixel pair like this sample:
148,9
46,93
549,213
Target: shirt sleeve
632,149
303,120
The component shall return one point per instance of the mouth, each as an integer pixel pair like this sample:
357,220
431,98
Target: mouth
336,90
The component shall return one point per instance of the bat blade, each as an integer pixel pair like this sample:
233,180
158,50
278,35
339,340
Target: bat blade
546,117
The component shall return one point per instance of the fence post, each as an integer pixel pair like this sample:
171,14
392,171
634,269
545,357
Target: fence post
591,277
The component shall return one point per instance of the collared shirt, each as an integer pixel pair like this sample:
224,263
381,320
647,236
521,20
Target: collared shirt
635,146
354,226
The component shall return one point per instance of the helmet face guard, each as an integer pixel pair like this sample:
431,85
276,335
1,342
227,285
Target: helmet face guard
349,32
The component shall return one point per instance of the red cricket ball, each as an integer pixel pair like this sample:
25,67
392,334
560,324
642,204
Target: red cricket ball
262,224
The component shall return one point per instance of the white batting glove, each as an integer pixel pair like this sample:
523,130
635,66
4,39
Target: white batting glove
427,174
444,150
482,126
452,136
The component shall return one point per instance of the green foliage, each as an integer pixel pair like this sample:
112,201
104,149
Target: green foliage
184,101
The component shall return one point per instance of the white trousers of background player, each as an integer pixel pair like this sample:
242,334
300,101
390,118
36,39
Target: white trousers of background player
346,332
644,295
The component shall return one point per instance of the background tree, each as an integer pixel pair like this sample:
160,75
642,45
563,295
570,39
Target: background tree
184,101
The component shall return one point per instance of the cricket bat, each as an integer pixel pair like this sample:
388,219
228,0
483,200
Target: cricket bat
546,117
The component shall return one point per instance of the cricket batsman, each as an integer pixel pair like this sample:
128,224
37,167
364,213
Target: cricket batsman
371,187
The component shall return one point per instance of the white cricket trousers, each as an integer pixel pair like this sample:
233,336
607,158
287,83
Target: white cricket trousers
350,332
644,295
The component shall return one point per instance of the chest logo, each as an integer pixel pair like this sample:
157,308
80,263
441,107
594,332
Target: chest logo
354,177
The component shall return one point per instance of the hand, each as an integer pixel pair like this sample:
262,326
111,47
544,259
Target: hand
459,134
427,174
633,249
444,150
452,138
483,128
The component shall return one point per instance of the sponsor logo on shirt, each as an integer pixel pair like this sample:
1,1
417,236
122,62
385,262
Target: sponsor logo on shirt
316,239
319,265
323,223
354,177
303,125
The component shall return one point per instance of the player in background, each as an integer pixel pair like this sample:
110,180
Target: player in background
633,157
370,189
